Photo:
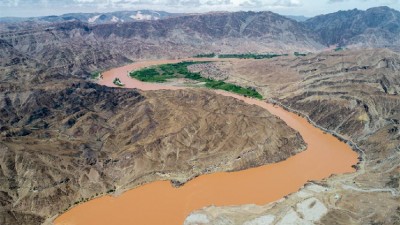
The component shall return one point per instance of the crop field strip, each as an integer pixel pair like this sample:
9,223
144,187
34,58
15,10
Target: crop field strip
162,73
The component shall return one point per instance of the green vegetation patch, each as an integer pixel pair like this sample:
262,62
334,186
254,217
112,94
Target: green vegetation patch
118,82
215,84
299,54
96,75
338,49
207,55
162,73
240,56
251,56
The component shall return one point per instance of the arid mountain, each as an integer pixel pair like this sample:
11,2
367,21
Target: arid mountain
75,45
64,140
182,34
69,141
95,18
375,27
352,94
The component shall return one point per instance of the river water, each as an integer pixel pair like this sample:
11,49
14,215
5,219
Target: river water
158,203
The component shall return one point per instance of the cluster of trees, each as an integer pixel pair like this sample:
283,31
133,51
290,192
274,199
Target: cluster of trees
251,56
164,72
241,56
209,55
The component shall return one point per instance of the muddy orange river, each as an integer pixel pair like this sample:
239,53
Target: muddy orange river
160,203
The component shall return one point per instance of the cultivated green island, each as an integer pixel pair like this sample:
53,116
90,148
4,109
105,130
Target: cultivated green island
162,73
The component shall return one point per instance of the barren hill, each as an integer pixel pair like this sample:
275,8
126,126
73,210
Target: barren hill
64,141
94,18
73,46
352,94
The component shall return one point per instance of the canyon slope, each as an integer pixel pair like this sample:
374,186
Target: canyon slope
154,34
76,46
351,94
64,140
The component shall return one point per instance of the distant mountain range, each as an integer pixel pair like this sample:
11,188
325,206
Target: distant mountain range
85,42
110,17
97,18
375,27
73,43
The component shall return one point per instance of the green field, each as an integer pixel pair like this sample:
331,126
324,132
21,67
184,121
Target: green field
240,56
164,72
251,56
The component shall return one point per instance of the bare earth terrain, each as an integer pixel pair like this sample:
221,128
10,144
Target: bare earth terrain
353,94
64,144
65,139
258,185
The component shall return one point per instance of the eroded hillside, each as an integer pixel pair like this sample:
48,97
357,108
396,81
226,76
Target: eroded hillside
374,27
64,140
68,141
353,94
74,46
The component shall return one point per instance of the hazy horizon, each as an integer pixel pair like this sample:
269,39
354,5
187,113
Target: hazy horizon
308,8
